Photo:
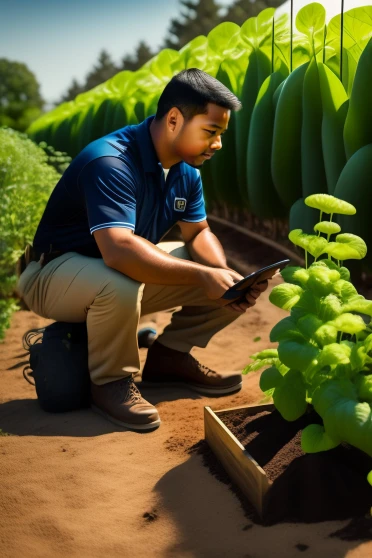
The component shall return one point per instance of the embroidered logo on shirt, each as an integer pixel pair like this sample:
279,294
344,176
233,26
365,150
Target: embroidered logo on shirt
179,204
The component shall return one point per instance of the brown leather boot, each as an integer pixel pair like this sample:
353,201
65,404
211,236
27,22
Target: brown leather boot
167,367
121,403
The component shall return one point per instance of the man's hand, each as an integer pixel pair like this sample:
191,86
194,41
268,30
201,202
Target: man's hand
251,297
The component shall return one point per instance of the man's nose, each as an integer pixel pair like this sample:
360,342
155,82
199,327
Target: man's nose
217,143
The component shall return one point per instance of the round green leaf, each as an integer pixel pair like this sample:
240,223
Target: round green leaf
345,290
321,280
308,325
327,227
330,308
334,353
329,204
358,304
314,439
353,244
313,244
369,477
295,275
364,387
311,18
224,38
324,274
348,323
343,271
297,355
326,335
285,329
286,295
270,378
290,396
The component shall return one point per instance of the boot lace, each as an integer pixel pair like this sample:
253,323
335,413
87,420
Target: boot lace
130,389
202,368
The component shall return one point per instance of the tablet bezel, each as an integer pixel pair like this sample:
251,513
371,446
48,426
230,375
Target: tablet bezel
234,291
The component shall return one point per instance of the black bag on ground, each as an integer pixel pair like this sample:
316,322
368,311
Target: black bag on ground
59,365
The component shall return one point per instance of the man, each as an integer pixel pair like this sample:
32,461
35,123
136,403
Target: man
98,255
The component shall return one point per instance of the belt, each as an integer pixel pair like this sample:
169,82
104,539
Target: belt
33,255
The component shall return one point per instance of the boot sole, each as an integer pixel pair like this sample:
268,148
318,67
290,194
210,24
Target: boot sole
131,426
193,387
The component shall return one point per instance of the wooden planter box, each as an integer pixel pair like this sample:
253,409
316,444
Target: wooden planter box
240,465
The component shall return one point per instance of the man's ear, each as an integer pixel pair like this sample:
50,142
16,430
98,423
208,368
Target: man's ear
174,119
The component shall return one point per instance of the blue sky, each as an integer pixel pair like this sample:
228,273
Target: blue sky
61,39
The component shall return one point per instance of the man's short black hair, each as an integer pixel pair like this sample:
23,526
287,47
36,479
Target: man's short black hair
191,90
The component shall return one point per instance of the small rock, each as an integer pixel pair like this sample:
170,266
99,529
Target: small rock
302,547
150,516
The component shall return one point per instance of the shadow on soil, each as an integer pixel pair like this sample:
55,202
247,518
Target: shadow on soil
205,516
25,417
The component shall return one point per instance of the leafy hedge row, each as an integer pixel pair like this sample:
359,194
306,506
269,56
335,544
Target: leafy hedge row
28,174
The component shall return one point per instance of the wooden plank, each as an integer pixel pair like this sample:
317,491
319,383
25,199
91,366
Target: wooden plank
250,409
239,464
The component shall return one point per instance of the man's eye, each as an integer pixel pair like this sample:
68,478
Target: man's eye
212,132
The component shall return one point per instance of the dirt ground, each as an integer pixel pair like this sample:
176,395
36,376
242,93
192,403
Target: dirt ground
74,484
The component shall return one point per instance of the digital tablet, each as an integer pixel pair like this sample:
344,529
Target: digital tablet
244,285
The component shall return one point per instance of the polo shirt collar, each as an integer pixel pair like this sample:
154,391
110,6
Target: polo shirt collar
149,157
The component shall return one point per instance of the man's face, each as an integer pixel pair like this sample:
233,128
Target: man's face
200,137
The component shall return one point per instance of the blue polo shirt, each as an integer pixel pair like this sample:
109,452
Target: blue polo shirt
118,181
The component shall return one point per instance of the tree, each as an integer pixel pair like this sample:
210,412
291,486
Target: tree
74,90
241,10
142,54
201,17
104,70
20,99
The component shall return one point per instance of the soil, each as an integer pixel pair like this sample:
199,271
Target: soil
73,484
306,487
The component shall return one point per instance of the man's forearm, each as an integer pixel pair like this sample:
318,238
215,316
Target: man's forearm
145,262
206,249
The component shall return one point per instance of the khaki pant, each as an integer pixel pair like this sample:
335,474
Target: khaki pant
76,288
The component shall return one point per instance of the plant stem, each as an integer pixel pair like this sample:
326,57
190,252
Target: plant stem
291,40
306,258
342,38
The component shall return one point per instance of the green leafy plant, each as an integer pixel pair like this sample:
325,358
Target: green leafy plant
26,181
324,353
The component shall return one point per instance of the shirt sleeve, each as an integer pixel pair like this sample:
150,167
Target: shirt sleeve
109,189
195,206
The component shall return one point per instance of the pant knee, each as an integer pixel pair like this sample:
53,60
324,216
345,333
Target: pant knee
124,290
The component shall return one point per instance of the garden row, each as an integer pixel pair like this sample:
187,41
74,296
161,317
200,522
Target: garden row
306,119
